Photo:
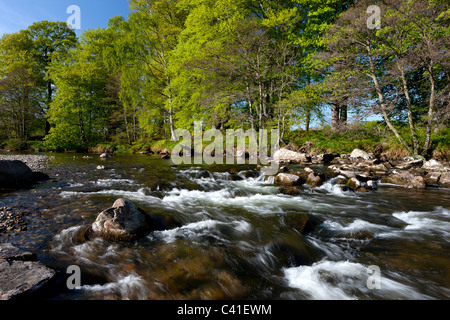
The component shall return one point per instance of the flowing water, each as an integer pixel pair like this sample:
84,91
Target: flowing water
236,239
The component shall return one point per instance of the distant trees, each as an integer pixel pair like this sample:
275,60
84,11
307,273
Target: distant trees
19,96
78,112
50,41
26,90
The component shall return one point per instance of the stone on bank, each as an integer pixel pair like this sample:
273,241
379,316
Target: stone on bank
20,274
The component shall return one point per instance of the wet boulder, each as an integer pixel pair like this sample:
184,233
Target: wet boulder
14,173
314,179
444,180
19,278
289,190
288,179
125,221
432,179
371,185
324,158
300,222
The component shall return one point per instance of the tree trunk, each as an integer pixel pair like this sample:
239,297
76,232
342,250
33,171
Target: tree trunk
171,125
126,127
343,115
82,133
430,110
334,116
409,109
49,101
383,103
250,104
308,119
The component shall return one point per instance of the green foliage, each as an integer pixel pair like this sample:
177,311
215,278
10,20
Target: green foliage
231,64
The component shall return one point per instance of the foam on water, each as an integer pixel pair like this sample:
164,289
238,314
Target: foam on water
332,188
344,280
197,230
437,221
139,195
110,182
225,198
355,226
126,287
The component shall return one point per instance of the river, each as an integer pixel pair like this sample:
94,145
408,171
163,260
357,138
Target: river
236,238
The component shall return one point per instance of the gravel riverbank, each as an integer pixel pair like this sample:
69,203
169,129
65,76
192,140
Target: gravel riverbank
36,162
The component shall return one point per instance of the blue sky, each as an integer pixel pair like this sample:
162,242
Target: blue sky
16,15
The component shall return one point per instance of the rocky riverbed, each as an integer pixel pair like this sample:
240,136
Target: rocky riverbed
361,171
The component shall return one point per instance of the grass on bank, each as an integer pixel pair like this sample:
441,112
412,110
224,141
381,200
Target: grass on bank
371,136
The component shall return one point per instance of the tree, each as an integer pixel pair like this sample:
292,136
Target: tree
415,38
50,40
157,26
385,57
19,98
241,56
78,110
318,17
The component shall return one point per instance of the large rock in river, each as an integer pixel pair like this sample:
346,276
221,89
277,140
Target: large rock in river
444,180
124,221
288,179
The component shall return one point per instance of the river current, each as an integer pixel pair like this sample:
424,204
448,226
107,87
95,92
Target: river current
236,238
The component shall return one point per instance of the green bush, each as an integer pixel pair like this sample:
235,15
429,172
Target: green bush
15,145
